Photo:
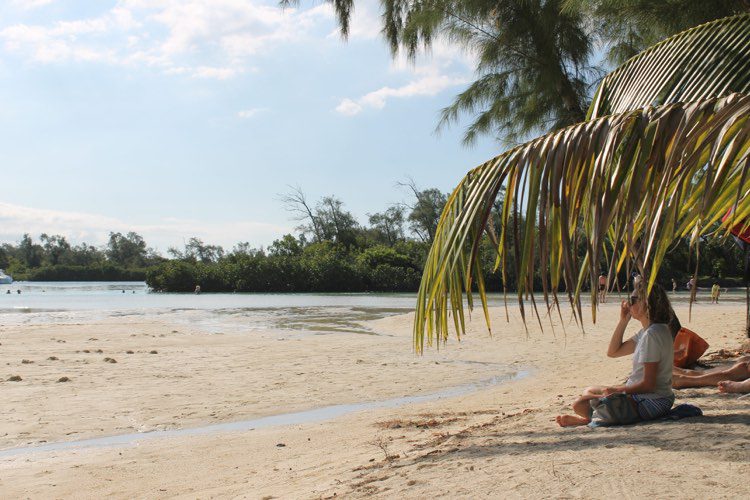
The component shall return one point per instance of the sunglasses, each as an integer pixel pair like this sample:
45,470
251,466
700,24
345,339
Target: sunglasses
633,299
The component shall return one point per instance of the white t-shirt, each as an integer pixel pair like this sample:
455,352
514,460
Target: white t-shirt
651,345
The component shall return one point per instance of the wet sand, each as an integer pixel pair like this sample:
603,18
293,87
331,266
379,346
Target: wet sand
492,440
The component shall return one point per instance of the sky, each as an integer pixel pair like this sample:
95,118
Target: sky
182,118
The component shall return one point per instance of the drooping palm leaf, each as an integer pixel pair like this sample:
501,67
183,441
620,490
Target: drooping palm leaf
627,184
710,60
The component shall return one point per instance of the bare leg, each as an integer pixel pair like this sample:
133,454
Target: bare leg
716,369
738,371
582,408
732,386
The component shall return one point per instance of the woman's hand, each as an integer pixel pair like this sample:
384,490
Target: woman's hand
625,311
608,391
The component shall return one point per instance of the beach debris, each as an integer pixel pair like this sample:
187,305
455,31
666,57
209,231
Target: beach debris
63,379
14,378
110,360
26,362
280,445
86,351
98,351
383,443
93,338
128,352
52,358
153,352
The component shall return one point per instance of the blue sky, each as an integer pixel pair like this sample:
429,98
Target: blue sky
180,118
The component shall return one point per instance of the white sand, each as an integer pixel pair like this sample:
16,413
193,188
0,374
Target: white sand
499,441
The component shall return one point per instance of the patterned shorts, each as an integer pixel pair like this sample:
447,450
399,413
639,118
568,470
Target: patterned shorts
650,409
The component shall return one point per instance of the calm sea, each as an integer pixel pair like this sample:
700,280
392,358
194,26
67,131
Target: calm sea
69,302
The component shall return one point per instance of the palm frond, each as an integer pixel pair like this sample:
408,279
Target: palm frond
710,60
624,185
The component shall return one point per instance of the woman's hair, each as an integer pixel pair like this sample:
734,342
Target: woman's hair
658,306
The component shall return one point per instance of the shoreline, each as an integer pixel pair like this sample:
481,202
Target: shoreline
501,438
313,415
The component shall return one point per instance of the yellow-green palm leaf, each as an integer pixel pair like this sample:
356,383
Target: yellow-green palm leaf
710,60
625,184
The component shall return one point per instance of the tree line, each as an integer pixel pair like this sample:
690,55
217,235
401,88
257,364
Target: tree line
330,252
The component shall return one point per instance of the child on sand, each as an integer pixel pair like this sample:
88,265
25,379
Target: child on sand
649,387
715,292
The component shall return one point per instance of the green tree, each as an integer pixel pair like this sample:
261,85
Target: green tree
288,245
424,213
389,225
85,255
56,248
535,63
127,250
337,224
627,27
30,253
4,257
198,251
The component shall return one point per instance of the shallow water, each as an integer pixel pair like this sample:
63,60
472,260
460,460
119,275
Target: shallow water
72,302
47,302
296,418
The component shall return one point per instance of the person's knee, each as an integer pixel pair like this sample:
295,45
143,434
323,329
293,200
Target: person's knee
591,391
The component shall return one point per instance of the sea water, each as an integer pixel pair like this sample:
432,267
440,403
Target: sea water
71,302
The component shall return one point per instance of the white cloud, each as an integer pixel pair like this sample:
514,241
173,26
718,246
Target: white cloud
15,220
443,66
199,38
348,107
428,85
79,40
217,73
249,113
31,4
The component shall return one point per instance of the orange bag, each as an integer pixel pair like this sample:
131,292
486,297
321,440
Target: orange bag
688,347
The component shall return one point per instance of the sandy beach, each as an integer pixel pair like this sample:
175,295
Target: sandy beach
496,438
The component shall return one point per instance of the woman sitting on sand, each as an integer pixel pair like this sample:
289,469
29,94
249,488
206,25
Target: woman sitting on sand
728,379
649,387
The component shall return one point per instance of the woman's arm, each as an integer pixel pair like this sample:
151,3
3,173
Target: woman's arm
617,347
645,386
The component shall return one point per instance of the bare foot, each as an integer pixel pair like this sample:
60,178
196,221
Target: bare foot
728,386
571,420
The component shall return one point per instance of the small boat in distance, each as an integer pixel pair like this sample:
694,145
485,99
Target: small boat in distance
4,278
